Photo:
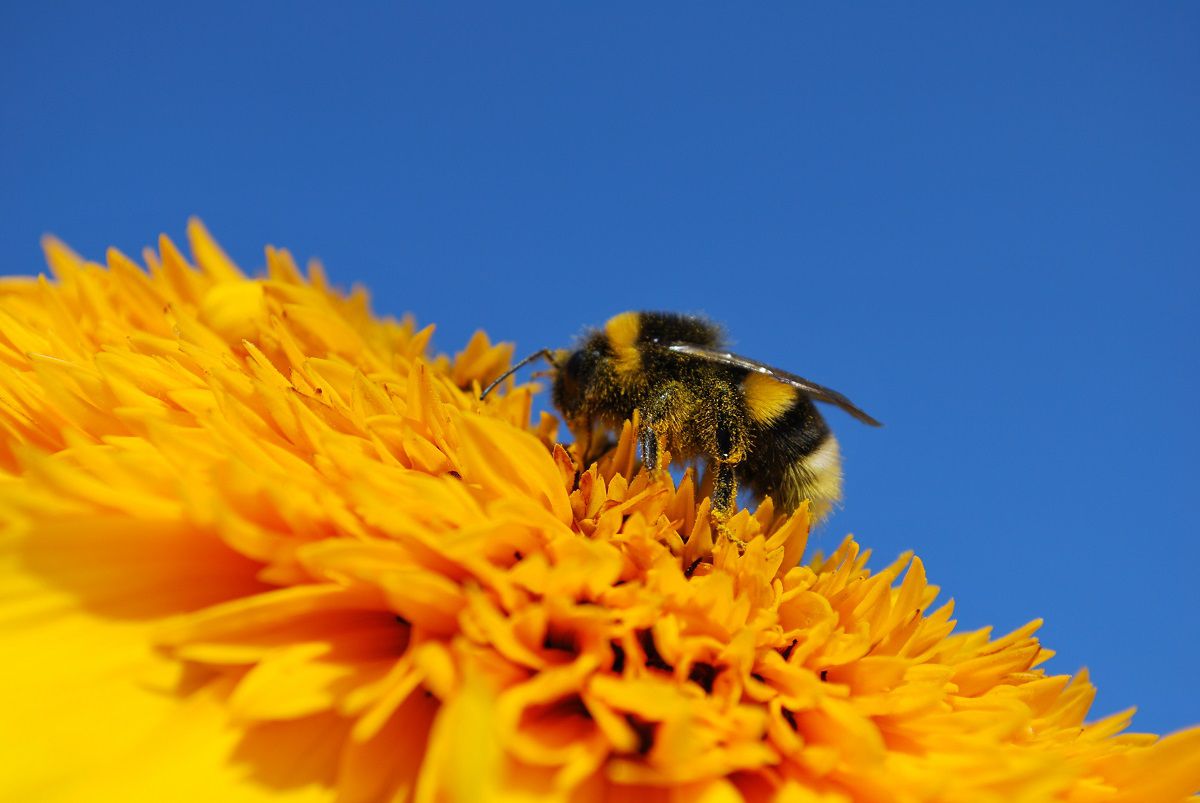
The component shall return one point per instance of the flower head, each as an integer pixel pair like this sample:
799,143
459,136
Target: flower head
259,545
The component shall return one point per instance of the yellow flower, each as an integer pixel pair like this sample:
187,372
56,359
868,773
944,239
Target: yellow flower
257,545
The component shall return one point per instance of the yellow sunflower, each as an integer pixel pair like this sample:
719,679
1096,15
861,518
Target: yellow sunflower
258,545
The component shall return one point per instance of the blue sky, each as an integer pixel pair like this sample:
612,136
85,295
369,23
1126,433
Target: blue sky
981,223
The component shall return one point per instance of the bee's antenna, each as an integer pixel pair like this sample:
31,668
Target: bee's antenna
546,354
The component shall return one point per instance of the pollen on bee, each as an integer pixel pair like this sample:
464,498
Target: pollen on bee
766,398
622,332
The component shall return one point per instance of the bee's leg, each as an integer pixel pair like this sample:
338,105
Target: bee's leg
724,493
724,490
730,450
651,455
655,420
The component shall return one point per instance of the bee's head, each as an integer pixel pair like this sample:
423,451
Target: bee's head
573,373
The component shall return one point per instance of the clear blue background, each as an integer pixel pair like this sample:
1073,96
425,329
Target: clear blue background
981,223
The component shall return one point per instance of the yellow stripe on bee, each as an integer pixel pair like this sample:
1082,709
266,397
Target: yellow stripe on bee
766,399
622,332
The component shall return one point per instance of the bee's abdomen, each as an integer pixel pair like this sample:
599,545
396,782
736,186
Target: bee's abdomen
794,455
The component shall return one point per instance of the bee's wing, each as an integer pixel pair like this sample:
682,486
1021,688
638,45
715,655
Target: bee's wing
811,389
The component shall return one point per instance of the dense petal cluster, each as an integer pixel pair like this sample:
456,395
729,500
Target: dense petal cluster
258,545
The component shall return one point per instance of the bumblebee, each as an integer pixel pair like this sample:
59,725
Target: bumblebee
756,425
